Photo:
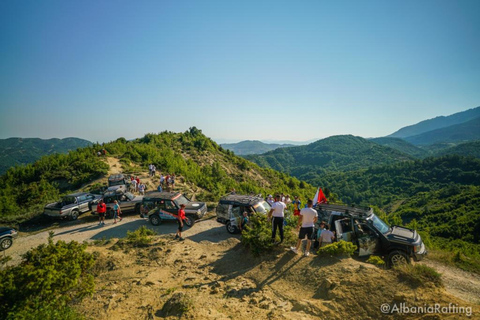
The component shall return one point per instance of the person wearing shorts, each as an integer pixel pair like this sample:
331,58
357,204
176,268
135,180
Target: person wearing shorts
116,212
101,210
306,223
180,217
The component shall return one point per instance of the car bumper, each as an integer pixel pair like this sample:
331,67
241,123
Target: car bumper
418,256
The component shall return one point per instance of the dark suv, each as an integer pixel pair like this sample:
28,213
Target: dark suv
160,206
230,209
397,245
117,180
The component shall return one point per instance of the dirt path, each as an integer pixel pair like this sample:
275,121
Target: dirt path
462,284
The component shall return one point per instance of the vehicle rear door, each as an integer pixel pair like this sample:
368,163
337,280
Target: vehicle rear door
82,203
368,241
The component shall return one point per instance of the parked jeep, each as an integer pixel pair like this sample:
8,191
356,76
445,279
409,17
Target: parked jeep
71,206
127,201
397,245
6,237
230,209
160,206
117,180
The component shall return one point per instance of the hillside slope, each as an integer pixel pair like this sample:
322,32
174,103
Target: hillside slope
465,149
402,146
437,123
336,153
16,151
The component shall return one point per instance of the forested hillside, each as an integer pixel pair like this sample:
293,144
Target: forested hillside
402,146
337,153
465,149
192,156
16,151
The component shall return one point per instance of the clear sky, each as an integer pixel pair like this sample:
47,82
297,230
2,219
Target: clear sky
237,70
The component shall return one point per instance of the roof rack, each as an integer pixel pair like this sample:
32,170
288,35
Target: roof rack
345,209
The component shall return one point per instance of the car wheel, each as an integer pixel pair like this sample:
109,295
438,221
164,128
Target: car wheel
155,219
189,221
6,243
397,258
231,228
74,215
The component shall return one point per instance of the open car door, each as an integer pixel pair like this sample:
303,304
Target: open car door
367,240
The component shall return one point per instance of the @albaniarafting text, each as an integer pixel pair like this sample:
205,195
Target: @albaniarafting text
404,308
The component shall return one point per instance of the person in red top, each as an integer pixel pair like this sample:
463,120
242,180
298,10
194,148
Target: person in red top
101,210
181,217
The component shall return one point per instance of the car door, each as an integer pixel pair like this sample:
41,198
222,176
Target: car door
168,210
234,214
125,202
368,241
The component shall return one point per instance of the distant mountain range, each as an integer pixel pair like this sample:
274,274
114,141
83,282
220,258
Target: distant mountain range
437,123
15,151
252,147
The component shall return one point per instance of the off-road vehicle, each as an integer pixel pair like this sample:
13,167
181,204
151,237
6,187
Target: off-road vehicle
160,206
71,206
397,245
128,202
117,180
6,237
230,209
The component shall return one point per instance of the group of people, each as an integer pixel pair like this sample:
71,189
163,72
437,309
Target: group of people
306,224
136,185
167,181
151,170
102,211
296,203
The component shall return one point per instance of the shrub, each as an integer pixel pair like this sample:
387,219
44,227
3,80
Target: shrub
258,237
419,275
46,282
376,260
142,237
340,248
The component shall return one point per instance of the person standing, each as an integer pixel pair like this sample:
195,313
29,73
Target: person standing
278,214
101,210
116,212
296,206
153,170
162,179
306,223
150,170
134,185
141,189
180,217
270,200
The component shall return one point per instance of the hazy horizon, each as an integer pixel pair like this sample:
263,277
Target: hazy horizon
268,71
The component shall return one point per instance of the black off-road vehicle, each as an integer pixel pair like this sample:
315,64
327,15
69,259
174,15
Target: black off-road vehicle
230,209
160,206
397,245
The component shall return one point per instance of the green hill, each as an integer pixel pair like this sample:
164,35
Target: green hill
437,123
458,133
337,153
464,149
402,146
18,151
252,147
197,161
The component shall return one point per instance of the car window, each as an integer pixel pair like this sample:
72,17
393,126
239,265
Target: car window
262,207
69,200
380,225
170,205
129,195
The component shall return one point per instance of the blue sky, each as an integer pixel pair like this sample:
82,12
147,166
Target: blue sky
237,70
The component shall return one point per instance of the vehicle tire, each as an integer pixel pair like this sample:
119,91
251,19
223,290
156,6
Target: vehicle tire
155,220
189,221
231,228
73,215
6,243
397,258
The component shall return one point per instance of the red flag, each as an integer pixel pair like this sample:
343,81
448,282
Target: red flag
321,197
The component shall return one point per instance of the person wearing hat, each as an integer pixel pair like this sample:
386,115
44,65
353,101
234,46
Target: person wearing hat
180,217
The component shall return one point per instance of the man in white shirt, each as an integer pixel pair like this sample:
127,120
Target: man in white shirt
277,212
307,219
326,237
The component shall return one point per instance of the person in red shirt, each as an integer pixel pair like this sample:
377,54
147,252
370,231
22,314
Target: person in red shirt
180,217
101,210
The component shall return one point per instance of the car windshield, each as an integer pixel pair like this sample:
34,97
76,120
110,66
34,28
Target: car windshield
181,200
262,207
69,200
380,225
129,195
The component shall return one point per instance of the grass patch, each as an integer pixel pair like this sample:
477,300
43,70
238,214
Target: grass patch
140,238
419,275
376,260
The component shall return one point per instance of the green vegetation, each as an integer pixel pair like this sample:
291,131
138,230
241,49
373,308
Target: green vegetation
464,149
376,260
47,282
18,151
25,190
141,237
340,248
198,160
419,275
333,154
402,146
252,147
